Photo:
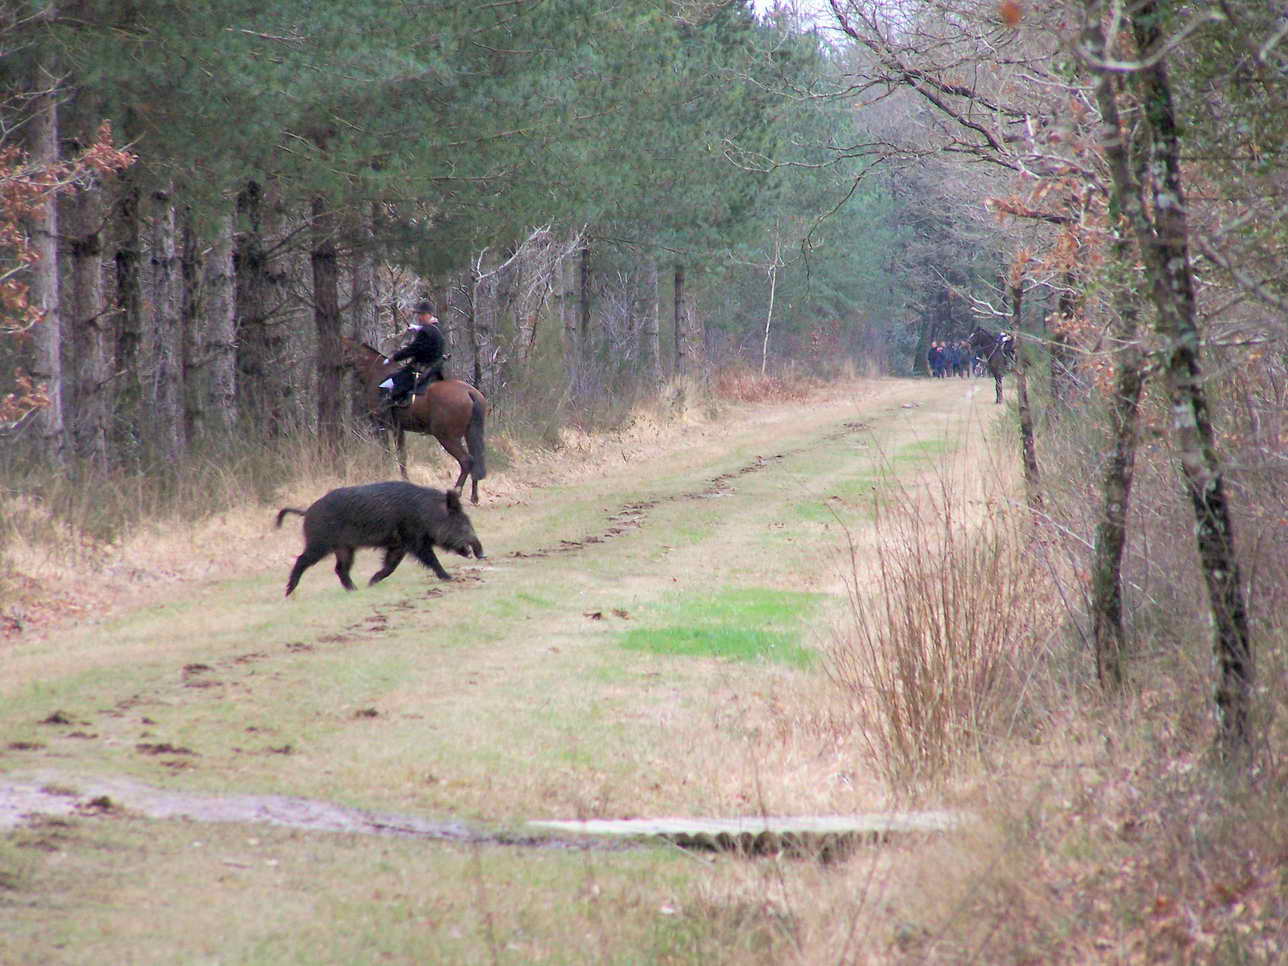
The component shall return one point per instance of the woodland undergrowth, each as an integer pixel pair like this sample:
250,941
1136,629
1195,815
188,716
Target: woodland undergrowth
1108,831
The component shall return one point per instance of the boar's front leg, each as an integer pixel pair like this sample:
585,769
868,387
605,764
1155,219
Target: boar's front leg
425,554
393,557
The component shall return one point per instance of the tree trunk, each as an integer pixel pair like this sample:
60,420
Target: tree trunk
326,317
194,369
1108,633
220,332
163,338
44,293
472,323
652,325
127,309
681,333
1109,637
90,331
260,389
583,305
568,316
1162,234
364,307
1173,291
769,318
1032,478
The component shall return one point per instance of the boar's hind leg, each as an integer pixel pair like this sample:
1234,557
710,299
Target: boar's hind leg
425,554
393,557
303,562
343,561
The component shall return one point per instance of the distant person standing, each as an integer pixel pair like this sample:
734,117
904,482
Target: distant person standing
935,359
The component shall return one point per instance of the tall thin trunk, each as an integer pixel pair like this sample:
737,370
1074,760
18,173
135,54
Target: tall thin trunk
681,333
260,388
90,329
44,293
364,306
1201,466
163,339
769,318
194,368
1162,234
127,305
472,322
652,324
1108,634
326,318
568,316
1109,637
1032,478
583,304
220,330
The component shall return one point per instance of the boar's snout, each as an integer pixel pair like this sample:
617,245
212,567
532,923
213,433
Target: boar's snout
462,539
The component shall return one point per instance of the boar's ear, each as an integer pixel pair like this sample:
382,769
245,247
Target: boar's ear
454,501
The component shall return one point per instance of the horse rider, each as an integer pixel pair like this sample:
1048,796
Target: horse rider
1006,342
424,354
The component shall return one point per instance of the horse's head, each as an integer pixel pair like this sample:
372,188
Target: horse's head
361,357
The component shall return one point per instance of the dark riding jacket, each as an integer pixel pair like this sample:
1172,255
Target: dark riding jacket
424,351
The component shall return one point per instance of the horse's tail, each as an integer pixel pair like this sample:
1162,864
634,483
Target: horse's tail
474,438
285,510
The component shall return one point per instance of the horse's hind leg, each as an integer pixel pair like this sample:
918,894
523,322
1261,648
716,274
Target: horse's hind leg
997,384
458,452
393,557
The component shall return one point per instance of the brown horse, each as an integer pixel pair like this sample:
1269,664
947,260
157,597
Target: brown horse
997,354
451,411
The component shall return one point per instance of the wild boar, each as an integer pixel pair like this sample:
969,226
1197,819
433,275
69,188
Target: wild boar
399,517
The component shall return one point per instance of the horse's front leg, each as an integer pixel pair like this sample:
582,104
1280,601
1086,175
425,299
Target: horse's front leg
997,384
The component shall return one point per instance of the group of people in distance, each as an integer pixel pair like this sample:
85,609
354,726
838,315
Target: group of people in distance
950,359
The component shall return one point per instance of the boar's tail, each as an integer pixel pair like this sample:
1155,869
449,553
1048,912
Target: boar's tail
285,510
474,440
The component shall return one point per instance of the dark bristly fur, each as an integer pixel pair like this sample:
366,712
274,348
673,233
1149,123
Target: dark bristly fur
398,517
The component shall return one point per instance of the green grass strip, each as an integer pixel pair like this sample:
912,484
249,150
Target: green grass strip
744,624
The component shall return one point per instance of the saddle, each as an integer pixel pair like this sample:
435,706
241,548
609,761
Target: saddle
400,389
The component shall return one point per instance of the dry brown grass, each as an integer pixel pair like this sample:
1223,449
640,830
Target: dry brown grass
744,384
943,632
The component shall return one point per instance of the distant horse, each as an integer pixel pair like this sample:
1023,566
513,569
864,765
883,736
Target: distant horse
451,411
996,352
